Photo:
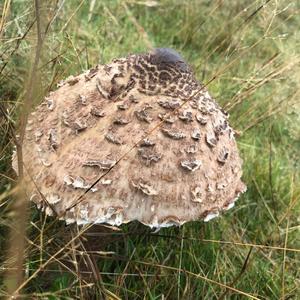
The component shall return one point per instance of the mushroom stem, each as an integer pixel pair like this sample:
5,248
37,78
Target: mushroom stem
89,248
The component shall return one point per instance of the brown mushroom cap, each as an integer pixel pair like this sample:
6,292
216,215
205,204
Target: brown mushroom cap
91,157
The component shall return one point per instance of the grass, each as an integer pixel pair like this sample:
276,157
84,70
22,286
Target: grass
248,52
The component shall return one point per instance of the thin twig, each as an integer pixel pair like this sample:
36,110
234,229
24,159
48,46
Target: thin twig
17,243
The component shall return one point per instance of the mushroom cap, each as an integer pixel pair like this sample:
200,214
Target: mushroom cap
101,149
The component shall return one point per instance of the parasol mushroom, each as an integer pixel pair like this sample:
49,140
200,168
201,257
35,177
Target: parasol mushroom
136,139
